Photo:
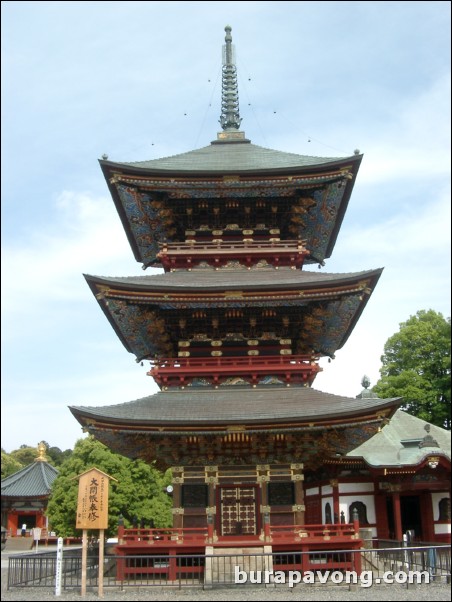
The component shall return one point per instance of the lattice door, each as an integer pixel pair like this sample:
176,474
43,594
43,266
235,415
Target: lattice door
238,510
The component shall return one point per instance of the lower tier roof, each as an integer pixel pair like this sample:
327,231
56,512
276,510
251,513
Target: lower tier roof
237,425
200,408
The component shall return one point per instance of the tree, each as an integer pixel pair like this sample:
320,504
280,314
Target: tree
9,465
25,455
138,491
416,366
56,456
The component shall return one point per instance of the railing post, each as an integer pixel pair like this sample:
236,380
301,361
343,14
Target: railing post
210,528
120,529
355,517
267,528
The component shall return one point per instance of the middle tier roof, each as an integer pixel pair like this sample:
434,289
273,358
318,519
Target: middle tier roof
314,312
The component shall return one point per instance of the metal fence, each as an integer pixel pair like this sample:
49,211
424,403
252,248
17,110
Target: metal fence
220,569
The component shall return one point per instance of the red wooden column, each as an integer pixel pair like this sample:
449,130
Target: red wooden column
382,516
335,486
427,520
397,515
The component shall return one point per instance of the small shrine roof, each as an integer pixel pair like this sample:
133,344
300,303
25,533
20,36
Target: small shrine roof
229,156
405,440
253,406
35,480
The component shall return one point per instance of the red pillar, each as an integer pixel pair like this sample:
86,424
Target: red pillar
427,520
381,516
335,485
172,571
397,516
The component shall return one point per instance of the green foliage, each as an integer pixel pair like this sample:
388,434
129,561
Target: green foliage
416,366
9,465
56,456
25,455
137,491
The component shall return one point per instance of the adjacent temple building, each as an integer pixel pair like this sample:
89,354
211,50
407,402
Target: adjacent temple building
234,328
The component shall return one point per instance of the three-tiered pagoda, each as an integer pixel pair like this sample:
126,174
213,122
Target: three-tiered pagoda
234,329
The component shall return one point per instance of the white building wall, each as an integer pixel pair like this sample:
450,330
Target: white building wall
345,501
442,528
351,487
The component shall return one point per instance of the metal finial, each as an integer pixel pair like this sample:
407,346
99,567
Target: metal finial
365,382
42,452
230,117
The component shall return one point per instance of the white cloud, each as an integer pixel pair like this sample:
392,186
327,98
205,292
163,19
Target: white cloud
86,236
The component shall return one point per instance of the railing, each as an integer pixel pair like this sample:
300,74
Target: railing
290,368
189,536
328,567
293,362
248,252
221,246
275,534
285,533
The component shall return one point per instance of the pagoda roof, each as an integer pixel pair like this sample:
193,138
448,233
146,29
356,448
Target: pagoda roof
224,279
228,156
230,170
192,408
35,480
343,297
405,440
163,426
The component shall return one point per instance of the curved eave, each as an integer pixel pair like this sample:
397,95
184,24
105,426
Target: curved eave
111,169
210,281
296,164
388,469
249,408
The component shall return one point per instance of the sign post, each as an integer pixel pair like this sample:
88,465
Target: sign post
36,537
92,513
59,562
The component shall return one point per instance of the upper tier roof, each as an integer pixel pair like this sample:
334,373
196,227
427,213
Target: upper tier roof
231,156
310,194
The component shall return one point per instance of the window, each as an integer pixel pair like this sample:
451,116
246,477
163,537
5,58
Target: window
194,496
281,494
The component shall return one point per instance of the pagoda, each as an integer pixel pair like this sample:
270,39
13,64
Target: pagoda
234,328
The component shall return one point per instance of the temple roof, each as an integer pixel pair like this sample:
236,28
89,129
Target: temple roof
145,310
224,279
193,408
405,440
35,480
310,194
230,156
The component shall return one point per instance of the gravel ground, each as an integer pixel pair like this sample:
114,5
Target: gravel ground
433,591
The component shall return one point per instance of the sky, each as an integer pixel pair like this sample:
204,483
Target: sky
142,80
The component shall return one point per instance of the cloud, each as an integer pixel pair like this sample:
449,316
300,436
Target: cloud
85,235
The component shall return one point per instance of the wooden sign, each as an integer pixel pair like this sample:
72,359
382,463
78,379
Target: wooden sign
92,504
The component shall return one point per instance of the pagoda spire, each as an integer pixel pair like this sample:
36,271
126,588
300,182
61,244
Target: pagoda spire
230,117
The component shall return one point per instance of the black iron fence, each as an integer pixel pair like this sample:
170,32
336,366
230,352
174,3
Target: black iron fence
365,567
